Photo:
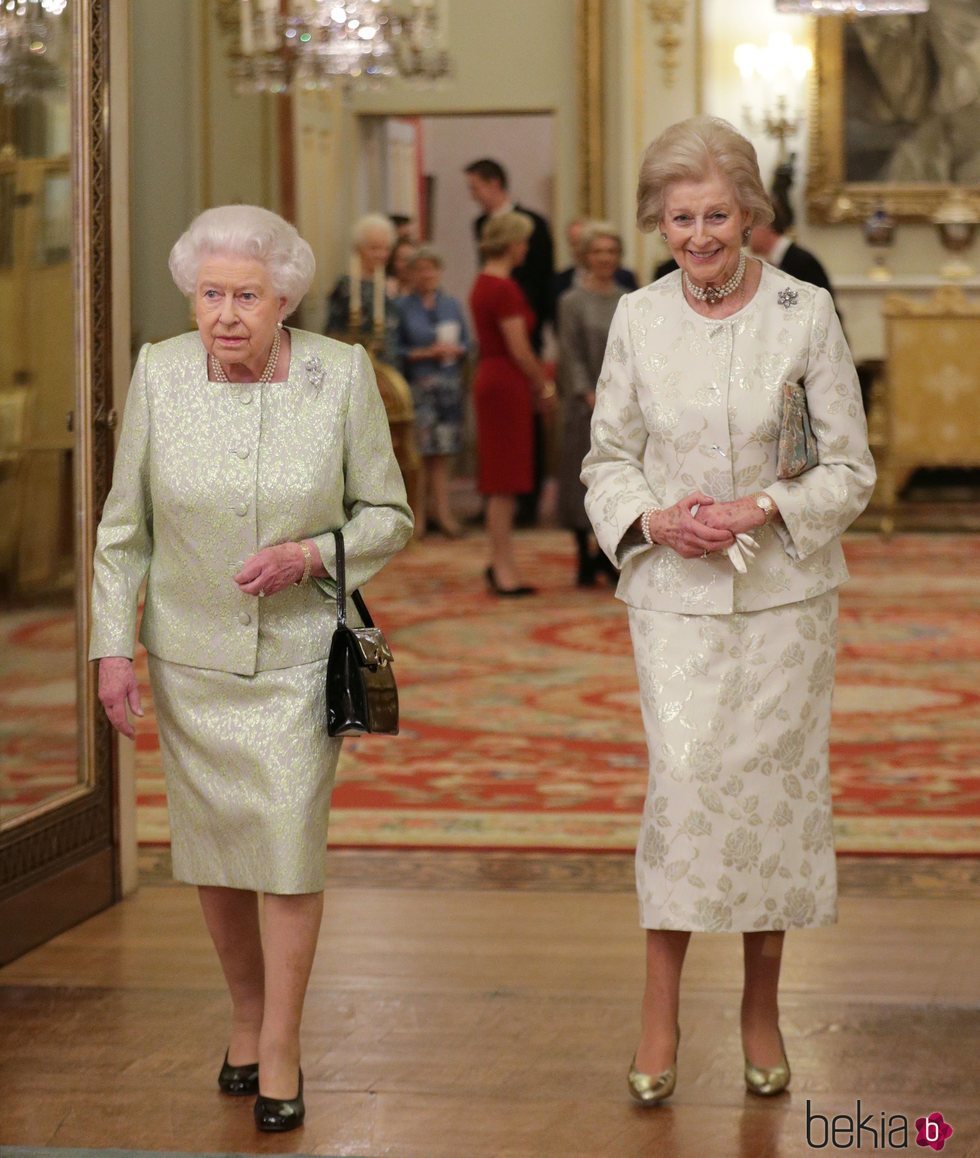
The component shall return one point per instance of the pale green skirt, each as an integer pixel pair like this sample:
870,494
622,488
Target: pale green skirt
249,769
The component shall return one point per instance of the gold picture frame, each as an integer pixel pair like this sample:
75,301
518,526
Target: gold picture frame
834,194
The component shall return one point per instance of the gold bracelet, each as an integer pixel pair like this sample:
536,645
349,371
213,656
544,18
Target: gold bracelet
307,564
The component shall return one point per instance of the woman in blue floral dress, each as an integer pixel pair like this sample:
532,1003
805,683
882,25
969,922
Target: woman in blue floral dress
434,341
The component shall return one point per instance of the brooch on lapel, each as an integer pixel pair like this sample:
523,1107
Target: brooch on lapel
787,298
314,370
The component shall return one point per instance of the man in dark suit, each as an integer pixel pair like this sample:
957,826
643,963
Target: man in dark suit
566,278
771,243
487,182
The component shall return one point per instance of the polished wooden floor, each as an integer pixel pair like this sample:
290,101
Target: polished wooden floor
484,1006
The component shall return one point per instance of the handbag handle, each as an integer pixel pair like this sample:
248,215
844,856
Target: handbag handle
356,596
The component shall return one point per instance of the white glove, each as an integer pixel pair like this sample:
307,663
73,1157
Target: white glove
744,546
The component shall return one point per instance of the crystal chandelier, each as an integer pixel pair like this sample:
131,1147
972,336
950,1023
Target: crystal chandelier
313,44
850,7
28,33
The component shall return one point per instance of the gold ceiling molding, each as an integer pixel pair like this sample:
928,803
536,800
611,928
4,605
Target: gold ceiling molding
669,15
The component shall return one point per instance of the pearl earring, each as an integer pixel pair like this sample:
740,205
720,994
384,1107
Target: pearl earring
663,237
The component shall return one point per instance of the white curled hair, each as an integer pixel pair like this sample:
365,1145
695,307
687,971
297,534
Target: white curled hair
251,232
372,223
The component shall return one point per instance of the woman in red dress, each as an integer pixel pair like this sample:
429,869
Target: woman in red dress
510,381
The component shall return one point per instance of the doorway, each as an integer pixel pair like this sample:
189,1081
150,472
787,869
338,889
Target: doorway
435,149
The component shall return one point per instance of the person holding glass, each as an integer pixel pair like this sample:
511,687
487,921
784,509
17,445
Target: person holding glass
434,341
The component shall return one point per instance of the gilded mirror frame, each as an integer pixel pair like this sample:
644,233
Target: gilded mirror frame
831,198
79,823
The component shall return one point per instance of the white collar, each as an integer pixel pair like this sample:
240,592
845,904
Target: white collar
778,251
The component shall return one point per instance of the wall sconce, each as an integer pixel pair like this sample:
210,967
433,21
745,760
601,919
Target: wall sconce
669,15
774,75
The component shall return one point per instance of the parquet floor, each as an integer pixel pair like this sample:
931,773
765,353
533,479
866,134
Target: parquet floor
468,1005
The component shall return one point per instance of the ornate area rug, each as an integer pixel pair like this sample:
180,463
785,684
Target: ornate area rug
38,728
521,723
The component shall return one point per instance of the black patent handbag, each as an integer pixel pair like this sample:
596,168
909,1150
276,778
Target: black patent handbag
361,694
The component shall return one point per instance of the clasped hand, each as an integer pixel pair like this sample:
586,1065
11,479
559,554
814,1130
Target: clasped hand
698,525
272,569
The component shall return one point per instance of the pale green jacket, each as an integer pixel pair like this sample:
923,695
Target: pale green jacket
206,474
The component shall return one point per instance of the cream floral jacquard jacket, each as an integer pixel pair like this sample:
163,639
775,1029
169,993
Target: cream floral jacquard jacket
685,403
208,473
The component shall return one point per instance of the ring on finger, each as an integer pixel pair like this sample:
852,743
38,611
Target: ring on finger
261,592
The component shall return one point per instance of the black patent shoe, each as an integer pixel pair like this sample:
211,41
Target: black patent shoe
238,1080
275,1116
506,592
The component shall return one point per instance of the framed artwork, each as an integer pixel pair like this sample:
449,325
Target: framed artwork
894,120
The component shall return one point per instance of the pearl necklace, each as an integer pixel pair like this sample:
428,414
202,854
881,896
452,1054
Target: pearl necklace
715,293
218,371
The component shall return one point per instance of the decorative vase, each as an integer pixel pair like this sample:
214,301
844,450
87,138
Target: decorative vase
956,221
879,233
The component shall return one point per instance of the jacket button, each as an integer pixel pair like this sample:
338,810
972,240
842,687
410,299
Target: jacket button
246,398
244,618
242,452
241,509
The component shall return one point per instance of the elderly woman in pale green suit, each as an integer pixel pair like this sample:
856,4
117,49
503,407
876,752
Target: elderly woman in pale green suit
242,447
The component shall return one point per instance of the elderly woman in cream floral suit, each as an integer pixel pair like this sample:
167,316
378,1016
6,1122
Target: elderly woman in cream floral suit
730,575
243,446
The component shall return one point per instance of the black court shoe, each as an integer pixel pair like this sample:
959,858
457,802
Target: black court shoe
275,1115
238,1080
506,592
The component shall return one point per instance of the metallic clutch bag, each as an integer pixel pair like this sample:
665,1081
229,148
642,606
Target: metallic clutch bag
361,693
797,442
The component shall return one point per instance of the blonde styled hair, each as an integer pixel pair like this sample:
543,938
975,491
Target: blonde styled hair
502,231
694,150
251,232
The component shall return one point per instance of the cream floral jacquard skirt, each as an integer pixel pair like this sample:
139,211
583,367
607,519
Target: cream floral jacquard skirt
737,833
249,769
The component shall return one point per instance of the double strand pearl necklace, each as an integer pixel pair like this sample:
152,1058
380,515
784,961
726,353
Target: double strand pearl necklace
713,293
218,371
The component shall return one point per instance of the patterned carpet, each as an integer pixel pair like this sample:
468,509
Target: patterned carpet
38,729
521,725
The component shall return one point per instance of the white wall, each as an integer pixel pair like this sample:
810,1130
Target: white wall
524,145
509,56
195,143
839,247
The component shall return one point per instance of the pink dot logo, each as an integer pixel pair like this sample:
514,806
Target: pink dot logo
933,1131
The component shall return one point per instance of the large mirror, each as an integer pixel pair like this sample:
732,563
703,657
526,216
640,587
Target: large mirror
56,811
39,758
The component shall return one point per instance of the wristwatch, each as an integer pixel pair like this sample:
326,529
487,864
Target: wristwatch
767,506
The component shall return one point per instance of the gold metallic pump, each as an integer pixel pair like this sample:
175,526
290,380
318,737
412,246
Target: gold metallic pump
766,1082
650,1089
